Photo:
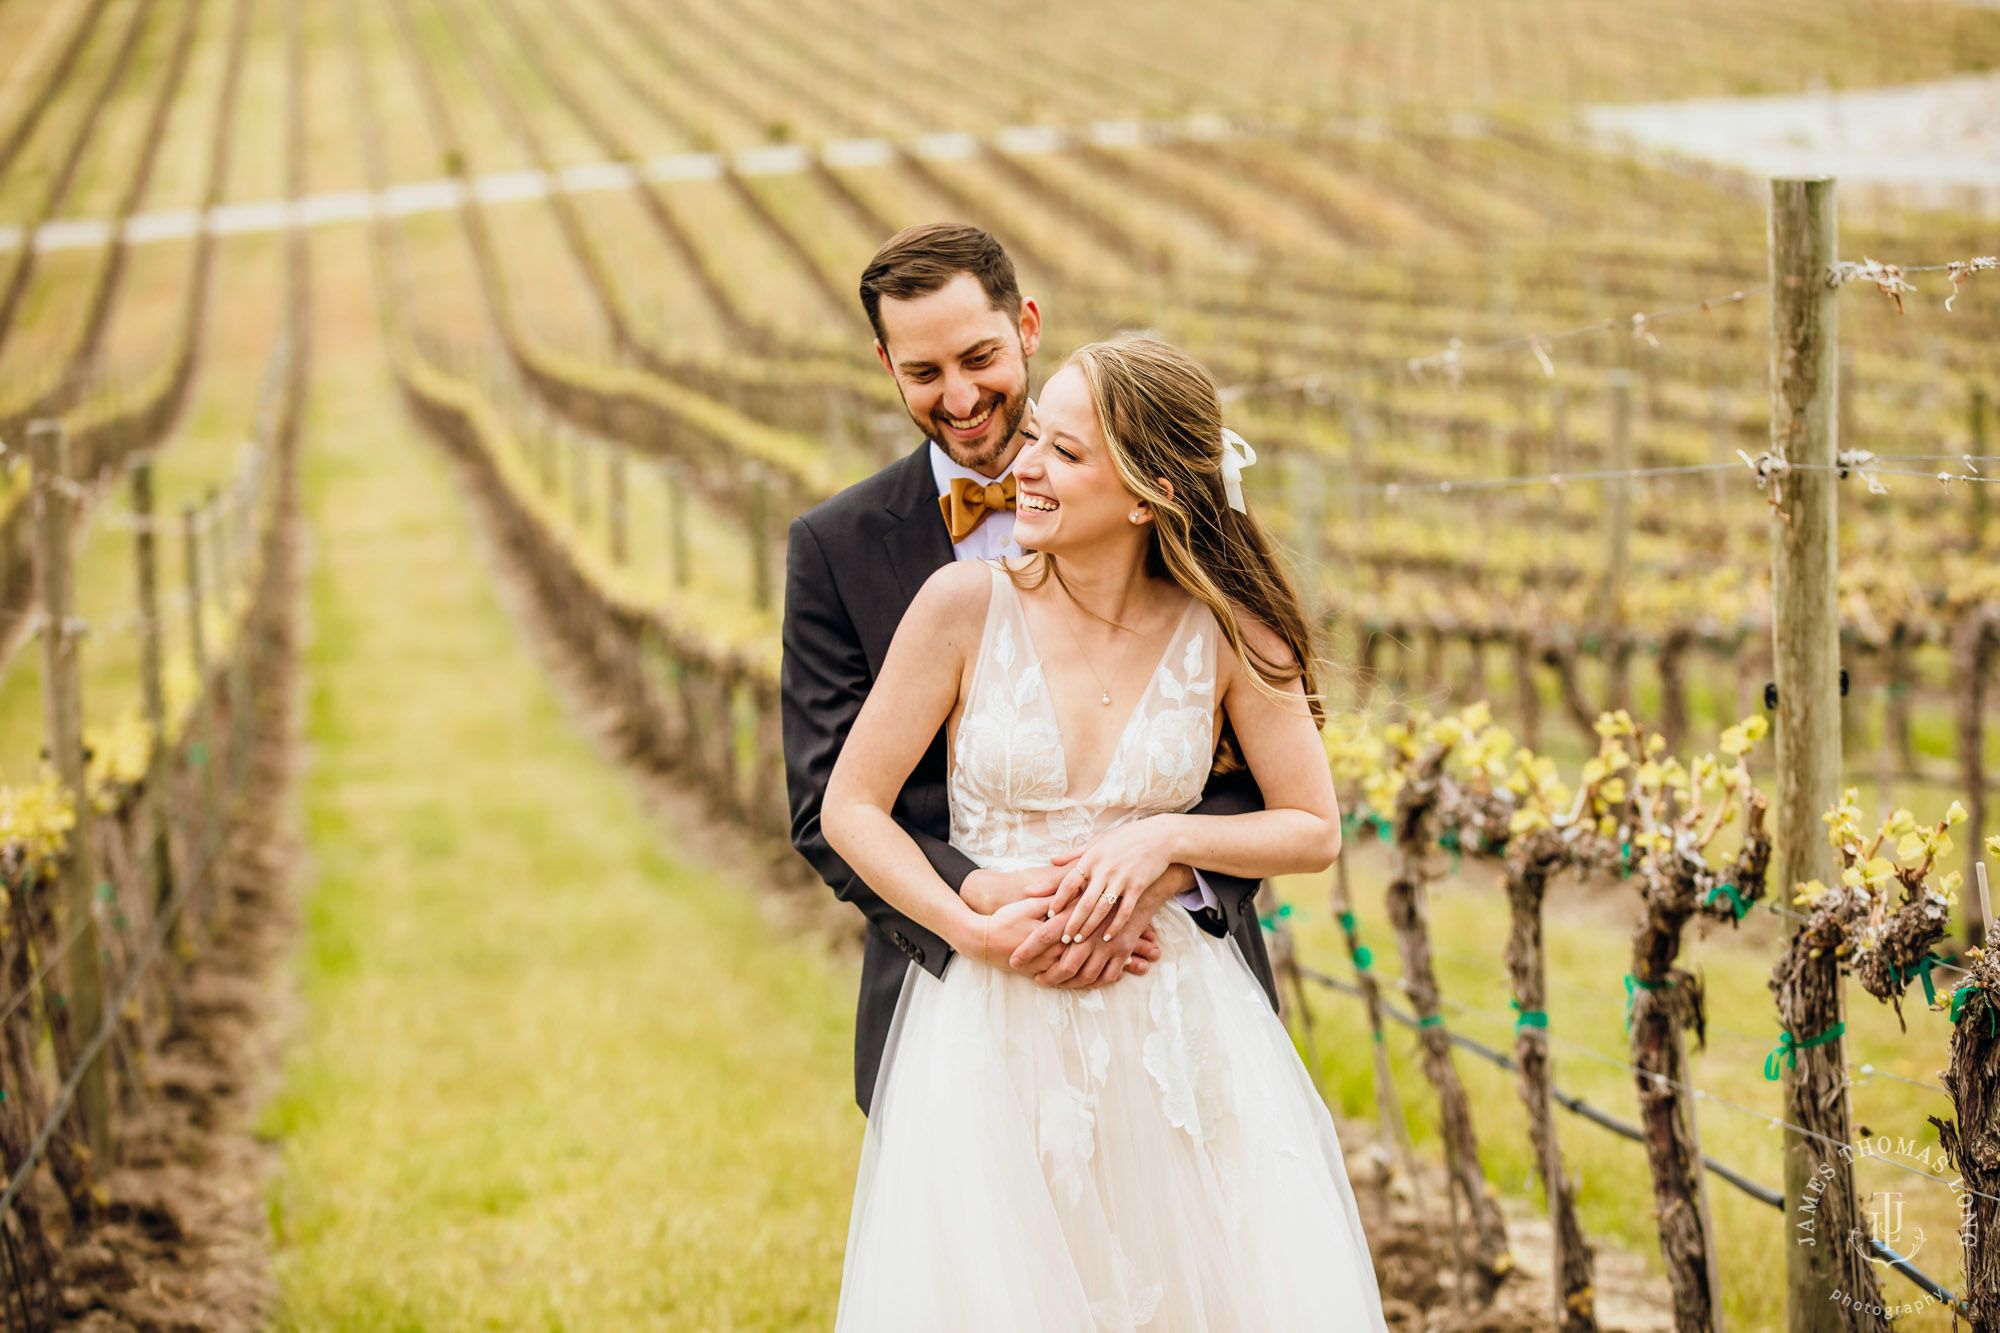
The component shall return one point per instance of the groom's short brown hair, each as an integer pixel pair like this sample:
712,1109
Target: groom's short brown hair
919,260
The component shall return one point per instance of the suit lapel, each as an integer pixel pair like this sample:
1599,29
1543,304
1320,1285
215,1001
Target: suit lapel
917,542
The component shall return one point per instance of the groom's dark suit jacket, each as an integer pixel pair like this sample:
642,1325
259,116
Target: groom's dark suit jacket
852,567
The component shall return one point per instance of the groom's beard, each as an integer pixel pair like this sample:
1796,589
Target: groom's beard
1008,411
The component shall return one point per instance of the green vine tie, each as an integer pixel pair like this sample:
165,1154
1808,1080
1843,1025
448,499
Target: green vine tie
1963,993
1270,922
1738,904
1630,982
1921,969
1788,1049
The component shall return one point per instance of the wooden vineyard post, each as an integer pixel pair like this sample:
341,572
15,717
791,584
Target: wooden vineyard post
1981,501
1404,903
1972,657
690,674
221,550
757,515
773,811
82,1006
614,459
547,463
1885,758
1671,660
152,673
1475,686
1558,428
838,445
201,590
1897,734
1527,689
218,567
242,712
1531,860
1805,635
1618,537
673,476
579,483
152,663
191,568
725,777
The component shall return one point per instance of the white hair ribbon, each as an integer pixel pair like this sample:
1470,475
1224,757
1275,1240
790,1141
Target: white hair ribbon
1236,455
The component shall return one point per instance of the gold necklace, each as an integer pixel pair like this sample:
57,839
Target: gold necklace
1103,691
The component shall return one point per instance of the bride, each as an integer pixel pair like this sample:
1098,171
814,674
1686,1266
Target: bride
1149,1153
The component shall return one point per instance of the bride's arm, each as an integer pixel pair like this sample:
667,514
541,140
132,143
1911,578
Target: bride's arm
909,701
1297,831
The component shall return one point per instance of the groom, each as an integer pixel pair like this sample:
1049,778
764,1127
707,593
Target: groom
953,331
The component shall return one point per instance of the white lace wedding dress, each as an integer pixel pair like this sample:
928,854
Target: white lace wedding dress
1148,1155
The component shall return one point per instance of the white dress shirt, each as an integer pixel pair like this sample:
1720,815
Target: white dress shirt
993,539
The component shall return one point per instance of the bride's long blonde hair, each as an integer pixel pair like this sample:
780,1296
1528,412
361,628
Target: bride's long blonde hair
1158,410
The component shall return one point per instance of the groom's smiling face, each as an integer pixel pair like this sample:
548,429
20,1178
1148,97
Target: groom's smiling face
962,368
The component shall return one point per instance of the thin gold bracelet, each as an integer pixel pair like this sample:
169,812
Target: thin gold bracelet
985,953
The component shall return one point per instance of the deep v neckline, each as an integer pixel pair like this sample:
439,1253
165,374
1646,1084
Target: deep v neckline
1124,731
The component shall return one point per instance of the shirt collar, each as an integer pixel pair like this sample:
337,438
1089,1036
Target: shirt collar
945,470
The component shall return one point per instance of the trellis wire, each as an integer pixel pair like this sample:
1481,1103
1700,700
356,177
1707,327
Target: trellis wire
1774,1122
1888,277
1453,356
1577,1106
1393,489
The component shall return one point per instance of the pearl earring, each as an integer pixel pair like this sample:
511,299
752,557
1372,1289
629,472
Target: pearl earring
1137,514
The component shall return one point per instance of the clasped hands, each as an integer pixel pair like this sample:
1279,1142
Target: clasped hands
1084,920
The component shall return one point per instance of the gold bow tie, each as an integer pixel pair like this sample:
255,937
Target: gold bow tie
968,502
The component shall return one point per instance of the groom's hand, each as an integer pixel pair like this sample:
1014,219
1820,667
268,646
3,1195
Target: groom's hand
1008,934
987,891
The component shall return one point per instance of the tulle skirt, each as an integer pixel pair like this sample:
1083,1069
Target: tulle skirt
1148,1155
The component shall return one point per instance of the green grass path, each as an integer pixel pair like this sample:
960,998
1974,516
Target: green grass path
549,1076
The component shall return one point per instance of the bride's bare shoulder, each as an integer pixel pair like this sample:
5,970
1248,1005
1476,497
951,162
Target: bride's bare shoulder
1267,646
951,606
956,581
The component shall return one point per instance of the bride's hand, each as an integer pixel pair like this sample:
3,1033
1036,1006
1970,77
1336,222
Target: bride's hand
1105,879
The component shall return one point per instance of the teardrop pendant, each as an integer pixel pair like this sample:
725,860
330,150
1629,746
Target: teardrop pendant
1105,698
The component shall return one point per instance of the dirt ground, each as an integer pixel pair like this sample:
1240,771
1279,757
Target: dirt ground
1411,1247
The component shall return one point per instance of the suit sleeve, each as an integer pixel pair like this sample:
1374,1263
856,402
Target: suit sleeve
1232,793
823,679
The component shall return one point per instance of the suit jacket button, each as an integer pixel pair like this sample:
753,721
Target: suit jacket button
917,955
